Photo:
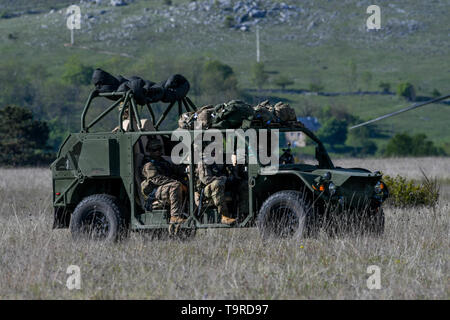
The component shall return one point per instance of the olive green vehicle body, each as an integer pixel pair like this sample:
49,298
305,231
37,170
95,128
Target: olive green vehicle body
103,163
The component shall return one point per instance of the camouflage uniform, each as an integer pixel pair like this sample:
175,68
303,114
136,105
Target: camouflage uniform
212,180
159,181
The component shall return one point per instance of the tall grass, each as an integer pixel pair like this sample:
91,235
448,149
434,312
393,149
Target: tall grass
217,264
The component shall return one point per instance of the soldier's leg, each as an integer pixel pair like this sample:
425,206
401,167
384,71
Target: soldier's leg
172,193
216,192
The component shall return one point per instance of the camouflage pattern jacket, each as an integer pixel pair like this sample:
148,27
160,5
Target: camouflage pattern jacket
158,172
206,173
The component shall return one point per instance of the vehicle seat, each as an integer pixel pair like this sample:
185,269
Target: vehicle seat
139,154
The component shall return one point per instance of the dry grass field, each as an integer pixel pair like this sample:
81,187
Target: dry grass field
226,264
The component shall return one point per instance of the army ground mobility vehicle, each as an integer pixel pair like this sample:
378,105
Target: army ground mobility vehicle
96,186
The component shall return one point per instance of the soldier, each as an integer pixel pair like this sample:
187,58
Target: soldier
287,157
212,180
160,181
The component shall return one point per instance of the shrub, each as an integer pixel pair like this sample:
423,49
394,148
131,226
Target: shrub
76,72
259,75
405,145
406,89
333,131
23,140
435,93
283,81
385,86
218,77
407,193
228,22
315,87
4,14
360,142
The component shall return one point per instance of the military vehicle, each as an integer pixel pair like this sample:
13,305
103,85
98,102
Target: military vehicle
96,182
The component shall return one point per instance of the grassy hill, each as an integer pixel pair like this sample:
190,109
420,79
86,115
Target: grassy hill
311,42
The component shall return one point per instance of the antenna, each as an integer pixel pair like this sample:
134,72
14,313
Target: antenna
414,106
257,44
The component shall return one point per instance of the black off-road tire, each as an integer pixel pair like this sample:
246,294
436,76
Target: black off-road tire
98,217
284,214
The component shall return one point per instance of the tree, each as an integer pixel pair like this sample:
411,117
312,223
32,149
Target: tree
218,77
406,89
283,81
384,86
435,93
16,86
229,22
333,131
316,87
77,73
23,141
259,75
359,140
404,145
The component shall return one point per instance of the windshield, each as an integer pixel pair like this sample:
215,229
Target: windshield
297,148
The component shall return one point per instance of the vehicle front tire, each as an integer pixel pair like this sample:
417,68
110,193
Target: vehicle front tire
375,223
284,214
98,217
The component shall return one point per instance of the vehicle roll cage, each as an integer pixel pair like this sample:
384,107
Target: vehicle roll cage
128,101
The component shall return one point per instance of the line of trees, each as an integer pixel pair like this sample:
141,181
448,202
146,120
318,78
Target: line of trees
44,104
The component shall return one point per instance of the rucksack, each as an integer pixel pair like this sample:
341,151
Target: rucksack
232,115
186,120
284,112
264,113
203,116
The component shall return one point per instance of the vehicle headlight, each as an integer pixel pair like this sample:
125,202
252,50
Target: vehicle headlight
379,187
332,188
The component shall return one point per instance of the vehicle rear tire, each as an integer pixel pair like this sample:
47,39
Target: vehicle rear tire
284,214
98,217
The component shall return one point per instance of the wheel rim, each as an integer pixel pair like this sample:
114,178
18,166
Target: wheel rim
95,224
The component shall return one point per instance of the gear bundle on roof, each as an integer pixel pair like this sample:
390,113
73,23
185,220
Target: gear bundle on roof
238,114
173,89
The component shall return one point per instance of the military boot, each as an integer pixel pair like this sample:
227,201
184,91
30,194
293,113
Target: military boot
174,226
177,219
227,220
